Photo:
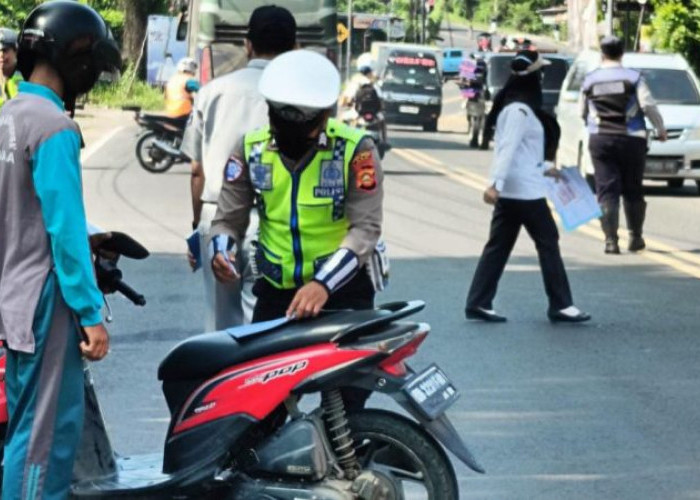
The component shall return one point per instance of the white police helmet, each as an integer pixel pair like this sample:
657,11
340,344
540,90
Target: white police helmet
187,65
302,79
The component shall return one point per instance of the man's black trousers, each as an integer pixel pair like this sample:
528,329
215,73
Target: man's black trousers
508,216
358,293
618,163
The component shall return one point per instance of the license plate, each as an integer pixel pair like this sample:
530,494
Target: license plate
431,392
661,166
411,110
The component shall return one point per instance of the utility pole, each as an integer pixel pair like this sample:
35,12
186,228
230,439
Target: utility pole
348,47
609,18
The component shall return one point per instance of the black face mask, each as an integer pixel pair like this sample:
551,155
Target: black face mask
79,73
293,137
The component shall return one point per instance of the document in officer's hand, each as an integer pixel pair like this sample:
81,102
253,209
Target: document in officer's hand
572,198
193,244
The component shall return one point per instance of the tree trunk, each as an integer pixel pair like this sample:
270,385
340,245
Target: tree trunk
135,22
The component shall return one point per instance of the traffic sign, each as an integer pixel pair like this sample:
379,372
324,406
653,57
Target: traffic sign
343,33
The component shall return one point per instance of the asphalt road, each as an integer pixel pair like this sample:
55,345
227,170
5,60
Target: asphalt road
606,410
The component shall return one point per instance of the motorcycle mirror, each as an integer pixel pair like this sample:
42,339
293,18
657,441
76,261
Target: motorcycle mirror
125,245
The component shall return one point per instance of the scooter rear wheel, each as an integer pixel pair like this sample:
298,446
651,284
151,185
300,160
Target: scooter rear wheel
400,449
152,159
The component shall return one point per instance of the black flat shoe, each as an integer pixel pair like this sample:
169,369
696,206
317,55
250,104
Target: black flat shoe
560,317
484,315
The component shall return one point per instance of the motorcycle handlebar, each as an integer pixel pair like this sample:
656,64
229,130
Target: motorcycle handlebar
130,293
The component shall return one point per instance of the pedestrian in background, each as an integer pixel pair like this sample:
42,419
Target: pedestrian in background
614,102
526,137
48,292
226,108
9,77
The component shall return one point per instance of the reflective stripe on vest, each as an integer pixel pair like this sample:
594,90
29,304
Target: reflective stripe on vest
613,107
11,87
177,100
302,213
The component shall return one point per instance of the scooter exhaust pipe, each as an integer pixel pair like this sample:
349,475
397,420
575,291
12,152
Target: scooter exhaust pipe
167,148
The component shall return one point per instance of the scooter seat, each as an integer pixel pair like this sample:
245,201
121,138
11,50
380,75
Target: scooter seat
206,355
178,122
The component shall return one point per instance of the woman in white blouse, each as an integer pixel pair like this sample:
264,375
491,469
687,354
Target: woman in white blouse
526,142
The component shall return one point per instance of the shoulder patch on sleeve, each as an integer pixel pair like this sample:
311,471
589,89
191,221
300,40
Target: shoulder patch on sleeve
233,170
365,171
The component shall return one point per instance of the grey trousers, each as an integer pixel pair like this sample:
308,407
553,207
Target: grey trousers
226,305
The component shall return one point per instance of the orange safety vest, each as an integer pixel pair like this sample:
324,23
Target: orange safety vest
177,100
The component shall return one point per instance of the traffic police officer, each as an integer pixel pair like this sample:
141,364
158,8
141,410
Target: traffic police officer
47,282
615,101
8,61
317,185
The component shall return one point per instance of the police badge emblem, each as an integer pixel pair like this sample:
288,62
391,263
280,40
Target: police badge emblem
233,170
332,182
261,176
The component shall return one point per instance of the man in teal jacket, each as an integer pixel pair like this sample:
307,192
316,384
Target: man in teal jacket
50,306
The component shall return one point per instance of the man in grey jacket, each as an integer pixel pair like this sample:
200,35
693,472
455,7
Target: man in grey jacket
225,109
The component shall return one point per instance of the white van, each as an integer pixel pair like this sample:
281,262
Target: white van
677,92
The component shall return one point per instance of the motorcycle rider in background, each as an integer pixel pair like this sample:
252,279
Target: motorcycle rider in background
10,77
363,101
181,88
472,86
50,305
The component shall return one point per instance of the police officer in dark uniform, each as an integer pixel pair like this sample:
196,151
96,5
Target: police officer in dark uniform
615,101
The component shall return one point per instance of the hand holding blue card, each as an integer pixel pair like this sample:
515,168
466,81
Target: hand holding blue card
193,243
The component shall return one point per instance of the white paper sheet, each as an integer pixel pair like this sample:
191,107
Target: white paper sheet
572,198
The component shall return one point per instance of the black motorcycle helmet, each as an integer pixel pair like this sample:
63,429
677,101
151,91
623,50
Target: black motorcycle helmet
72,38
8,38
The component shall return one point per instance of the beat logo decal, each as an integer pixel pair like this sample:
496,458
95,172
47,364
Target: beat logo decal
283,371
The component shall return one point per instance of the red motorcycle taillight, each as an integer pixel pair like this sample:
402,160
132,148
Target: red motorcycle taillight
394,364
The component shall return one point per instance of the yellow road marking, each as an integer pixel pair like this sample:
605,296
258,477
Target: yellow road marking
660,252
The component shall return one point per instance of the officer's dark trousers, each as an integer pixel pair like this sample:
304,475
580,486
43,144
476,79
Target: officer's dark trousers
358,293
618,162
508,217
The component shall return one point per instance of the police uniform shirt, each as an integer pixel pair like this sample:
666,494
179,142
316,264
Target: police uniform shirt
224,110
363,204
518,161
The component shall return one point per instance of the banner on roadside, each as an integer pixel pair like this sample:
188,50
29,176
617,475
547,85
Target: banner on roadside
163,49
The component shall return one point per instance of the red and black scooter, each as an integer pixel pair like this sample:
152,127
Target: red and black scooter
237,432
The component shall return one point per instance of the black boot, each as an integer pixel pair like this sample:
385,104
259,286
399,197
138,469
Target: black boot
610,221
635,212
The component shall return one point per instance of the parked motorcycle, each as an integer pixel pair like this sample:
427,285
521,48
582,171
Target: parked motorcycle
237,432
158,146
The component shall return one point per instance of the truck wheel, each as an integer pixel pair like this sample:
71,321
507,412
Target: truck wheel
675,183
430,126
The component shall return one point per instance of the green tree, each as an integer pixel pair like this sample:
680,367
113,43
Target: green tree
676,28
